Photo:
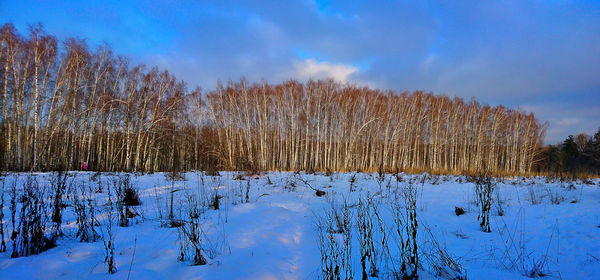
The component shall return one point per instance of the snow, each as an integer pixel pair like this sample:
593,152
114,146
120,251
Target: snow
274,235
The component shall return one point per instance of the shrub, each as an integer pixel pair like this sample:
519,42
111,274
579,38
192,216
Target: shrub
352,181
440,261
85,214
380,177
216,200
2,243
534,198
555,196
127,196
335,236
409,254
484,188
499,204
58,186
175,176
518,256
191,235
130,196
364,223
108,237
28,237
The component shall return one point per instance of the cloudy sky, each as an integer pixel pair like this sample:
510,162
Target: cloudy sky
540,56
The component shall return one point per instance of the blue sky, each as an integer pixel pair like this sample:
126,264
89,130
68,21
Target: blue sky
540,56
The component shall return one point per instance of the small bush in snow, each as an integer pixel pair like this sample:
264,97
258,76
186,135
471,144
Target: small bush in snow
484,188
212,172
13,212
58,185
216,198
29,237
127,197
368,254
247,193
130,196
555,196
2,243
518,256
440,261
85,214
119,185
380,177
534,197
191,234
352,181
108,237
335,246
175,176
499,204
410,261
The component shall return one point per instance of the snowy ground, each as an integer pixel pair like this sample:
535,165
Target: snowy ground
274,235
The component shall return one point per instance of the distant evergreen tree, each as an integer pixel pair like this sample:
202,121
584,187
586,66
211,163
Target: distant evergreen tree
556,158
595,149
570,152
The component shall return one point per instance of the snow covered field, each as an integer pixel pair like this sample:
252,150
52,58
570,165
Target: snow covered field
267,226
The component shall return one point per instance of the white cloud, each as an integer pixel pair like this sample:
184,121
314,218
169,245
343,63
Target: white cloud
313,69
567,122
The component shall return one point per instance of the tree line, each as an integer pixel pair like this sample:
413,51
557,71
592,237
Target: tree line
322,124
575,155
64,104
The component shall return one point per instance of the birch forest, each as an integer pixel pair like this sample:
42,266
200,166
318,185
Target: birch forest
64,103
